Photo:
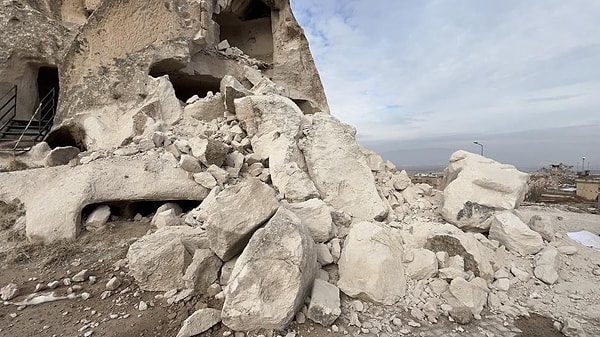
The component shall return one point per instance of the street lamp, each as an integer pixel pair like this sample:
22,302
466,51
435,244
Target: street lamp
583,166
478,143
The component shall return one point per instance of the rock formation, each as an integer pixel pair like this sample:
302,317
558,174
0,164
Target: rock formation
210,117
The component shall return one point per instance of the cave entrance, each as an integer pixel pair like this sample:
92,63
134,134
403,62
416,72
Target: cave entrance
185,85
248,27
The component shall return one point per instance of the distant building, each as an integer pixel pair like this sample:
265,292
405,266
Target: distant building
587,188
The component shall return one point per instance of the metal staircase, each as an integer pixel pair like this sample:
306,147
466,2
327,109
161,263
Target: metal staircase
21,134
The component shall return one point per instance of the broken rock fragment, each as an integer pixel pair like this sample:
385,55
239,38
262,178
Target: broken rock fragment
315,215
159,261
324,307
343,178
199,322
510,231
371,264
272,276
232,215
476,187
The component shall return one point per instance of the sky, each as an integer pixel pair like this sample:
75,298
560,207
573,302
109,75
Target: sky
421,79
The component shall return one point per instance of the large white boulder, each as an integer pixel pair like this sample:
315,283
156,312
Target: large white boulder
475,255
476,187
315,215
515,235
159,261
339,168
371,264
272,276
273,124
232,215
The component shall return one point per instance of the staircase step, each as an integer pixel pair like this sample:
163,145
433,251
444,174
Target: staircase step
29,132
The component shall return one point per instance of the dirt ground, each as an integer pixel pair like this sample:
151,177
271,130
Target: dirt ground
118,315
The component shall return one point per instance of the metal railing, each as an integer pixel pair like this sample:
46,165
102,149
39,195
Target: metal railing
8,109
45,116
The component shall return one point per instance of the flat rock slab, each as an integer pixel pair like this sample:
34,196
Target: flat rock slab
55,196
477,186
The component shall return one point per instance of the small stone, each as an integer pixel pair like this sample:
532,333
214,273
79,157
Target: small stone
113,283
67,281
213,289
502,284
522,275
82,276
105,294
9,292
53,284
85,296
300,318
567,250
142,306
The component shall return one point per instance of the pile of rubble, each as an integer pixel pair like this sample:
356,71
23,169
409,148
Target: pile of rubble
294,218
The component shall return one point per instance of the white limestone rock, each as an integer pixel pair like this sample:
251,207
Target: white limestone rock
166,218
272,276
190,164
61,156
98,217
203,271
423,266
511,232
273,124
546,265
232,215
324,307
159,261
208,151
232,89
472,295
543,225
342,177
315,215
9,292
206,109
199,321
205,179
475,255
401,180
476,187
371,266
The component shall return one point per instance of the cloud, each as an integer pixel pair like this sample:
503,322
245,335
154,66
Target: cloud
407,70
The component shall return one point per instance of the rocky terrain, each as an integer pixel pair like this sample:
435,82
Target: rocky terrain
197,185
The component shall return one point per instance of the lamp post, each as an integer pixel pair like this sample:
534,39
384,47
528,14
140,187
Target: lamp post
583,166
478,143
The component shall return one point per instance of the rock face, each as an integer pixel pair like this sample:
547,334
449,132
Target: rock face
343,178
510,231
476,187
159,261
424,265
272,276
66,192
371,264
232,215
